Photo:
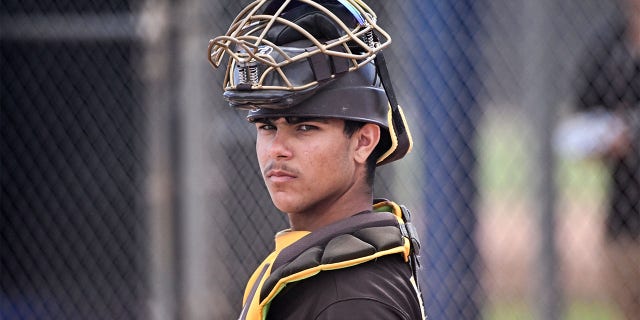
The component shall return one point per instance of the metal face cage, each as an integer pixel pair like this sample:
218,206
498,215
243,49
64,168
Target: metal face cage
261,61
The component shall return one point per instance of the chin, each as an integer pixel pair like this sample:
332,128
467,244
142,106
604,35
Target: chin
286,205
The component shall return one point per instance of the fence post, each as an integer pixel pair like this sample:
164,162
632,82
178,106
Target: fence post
155,66
539,102
202,164
446,87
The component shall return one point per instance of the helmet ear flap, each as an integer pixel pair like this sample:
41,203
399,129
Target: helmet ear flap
401,141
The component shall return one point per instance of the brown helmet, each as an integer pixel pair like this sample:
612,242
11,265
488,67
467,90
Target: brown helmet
312,59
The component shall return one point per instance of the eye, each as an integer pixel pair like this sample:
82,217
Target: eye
306,127
266,127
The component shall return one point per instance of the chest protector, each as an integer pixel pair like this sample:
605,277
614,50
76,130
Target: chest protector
346,243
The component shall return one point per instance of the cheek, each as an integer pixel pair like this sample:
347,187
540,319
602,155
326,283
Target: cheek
317,153
326,160
261,153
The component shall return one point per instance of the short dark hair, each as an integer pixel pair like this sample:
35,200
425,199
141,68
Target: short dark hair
350,127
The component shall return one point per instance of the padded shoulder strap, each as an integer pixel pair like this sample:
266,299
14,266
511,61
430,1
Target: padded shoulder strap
323,235
356,237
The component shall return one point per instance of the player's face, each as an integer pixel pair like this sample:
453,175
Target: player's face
305,163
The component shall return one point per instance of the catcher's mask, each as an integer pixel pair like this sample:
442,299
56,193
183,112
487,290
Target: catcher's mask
309,58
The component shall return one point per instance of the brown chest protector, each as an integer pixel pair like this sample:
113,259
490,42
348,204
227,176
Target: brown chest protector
357,239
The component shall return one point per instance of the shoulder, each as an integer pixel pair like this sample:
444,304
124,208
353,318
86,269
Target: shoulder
378,289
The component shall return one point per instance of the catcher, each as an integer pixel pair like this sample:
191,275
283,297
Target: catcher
312,76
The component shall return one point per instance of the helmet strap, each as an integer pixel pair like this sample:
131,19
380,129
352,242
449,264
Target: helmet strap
397,126
383,72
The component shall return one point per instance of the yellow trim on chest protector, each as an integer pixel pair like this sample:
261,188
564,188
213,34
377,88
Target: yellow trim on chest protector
363,245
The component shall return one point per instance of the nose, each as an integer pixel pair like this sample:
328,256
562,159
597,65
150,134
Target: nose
279,147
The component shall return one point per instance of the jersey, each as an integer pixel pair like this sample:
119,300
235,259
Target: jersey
378,289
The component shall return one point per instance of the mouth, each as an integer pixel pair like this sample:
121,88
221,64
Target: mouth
279,176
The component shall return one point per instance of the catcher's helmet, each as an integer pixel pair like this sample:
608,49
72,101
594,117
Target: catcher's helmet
312,59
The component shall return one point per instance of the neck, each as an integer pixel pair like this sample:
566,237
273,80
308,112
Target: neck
328,212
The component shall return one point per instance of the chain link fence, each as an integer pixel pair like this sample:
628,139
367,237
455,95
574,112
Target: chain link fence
129,190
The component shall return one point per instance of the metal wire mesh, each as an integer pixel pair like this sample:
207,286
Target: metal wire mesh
129,190
72,230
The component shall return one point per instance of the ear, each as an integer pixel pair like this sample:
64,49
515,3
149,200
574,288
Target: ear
367,140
